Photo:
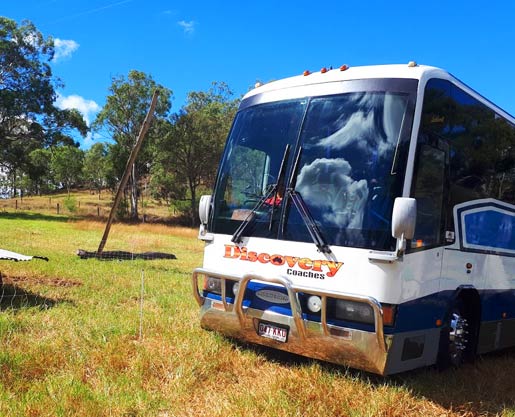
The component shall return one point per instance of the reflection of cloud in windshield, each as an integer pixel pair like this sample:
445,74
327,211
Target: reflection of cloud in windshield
357,129
325,184
375,123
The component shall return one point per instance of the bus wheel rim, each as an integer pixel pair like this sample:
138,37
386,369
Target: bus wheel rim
457,337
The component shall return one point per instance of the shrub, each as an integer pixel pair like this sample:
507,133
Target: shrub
71,204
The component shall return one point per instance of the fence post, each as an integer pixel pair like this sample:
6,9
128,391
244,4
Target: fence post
141,305
57,208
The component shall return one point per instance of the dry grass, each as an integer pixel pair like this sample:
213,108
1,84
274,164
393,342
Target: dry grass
70,345
87,204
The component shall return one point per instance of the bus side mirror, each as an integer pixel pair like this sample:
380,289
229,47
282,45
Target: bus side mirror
404,218
203,208
203,213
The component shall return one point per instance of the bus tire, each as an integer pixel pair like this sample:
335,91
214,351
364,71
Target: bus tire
456,338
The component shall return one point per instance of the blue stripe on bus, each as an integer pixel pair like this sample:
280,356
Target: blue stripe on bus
423,313
419,314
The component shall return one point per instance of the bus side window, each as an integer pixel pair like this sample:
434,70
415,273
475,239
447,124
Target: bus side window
429,193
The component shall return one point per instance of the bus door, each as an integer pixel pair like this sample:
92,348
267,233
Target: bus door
461,267
435,227
431,193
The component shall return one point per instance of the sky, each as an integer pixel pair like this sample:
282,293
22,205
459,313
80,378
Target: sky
186,45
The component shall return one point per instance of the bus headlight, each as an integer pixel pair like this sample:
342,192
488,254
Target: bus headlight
213,285
314,303
354,311
235,288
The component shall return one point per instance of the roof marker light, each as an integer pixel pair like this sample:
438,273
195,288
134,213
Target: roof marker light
306,73
344,68
412,64
323,70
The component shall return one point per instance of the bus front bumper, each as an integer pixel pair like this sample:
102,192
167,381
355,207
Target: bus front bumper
345,346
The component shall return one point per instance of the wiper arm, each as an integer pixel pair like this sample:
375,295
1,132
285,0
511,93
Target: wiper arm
236,237
312,227
279,183
303,209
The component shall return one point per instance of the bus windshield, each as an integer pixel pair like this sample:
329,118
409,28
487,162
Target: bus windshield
344,155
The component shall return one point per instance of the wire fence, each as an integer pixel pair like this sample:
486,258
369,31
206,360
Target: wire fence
56,206
18,292
88,207
14,297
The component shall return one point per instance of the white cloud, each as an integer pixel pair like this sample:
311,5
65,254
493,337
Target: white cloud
326,184
188,27
88,108
64,48
363,124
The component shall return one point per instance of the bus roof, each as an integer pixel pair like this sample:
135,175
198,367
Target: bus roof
345,73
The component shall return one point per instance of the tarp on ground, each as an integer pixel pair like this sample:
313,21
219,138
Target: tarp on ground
13,256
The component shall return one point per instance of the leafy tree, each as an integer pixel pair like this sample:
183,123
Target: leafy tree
165,185
16,163
66,163
95,166
39,170
28,117
26,83
123,115
192,146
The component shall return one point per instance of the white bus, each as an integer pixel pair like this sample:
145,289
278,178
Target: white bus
364,216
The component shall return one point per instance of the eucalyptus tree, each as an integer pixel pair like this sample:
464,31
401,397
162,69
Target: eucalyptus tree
39,171
95,168
122,116
66,165
192,146
29,118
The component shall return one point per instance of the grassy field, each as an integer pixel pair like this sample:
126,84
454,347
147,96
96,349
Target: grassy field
85,203
70,342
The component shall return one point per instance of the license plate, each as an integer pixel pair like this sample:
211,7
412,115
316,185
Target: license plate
273,332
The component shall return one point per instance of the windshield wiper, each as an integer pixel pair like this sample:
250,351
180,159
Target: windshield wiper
312,227
300,204
236,237
278,184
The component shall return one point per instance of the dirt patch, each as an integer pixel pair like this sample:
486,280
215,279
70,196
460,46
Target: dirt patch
52,282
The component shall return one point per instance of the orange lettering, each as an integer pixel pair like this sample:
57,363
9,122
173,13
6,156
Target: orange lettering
234,252
252,256
291,260
264,258
317,266
277,260
333,268
305,263
231,251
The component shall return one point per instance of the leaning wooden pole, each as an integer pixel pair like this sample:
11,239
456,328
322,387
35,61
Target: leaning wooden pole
127,172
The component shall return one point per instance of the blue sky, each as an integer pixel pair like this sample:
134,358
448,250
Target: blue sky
185,45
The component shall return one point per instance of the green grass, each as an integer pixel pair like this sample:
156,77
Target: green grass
70,344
